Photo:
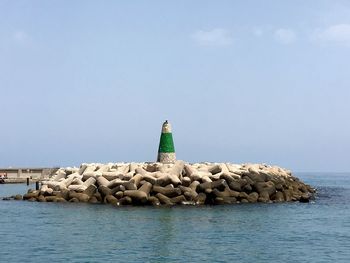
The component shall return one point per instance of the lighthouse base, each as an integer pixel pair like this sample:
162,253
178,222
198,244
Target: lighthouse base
166,157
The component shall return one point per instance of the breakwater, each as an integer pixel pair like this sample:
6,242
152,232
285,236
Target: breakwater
171,184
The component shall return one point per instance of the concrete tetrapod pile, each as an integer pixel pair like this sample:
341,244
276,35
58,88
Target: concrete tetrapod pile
171,184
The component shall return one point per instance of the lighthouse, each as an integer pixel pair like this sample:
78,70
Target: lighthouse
166,150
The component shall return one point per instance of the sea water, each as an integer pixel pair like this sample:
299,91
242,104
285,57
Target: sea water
290,232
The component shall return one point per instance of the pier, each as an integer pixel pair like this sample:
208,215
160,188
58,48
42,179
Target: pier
22,174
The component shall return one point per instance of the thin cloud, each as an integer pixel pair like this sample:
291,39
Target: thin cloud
338,34
285,36
258,32
20,36
215,37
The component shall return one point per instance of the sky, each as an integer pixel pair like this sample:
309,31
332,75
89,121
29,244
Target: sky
240,81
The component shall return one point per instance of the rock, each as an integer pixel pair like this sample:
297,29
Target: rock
188,193
51,198
188,170
45,190
200,199
126,200
103,168
74,200
137,196
203,186
93,200
130,186
279,187
151,167
90,168
310,189
140,170
305,198
194,185
166,179
153,200
202,176
89,181
80,196
82,168
179,183
243,195
226,193
296,195
257,177
164,199
230,200
127,177
264,197
178,199
186,181
116,182
104,190
60,174
98,197
234,168
64,193
219,201
228,178
76,182
268,187
177,168
219,184
41,198
119,194
303,188
90,190
136,180
235,185
119,188
18,197
225,200
208,191
146,188
287,195
32,194
56,186
253,197
247,180
214,169
110,176
279,197
60,200
247,188
148,178
167,191
110,199
101,181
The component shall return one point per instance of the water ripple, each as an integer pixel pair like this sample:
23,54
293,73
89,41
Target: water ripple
291,232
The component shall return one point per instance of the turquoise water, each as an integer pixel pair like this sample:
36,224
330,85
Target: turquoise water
291,232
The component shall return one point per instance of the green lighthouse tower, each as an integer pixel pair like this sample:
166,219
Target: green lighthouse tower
166,150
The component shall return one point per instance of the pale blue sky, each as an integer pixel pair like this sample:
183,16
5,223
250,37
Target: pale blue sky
240,81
